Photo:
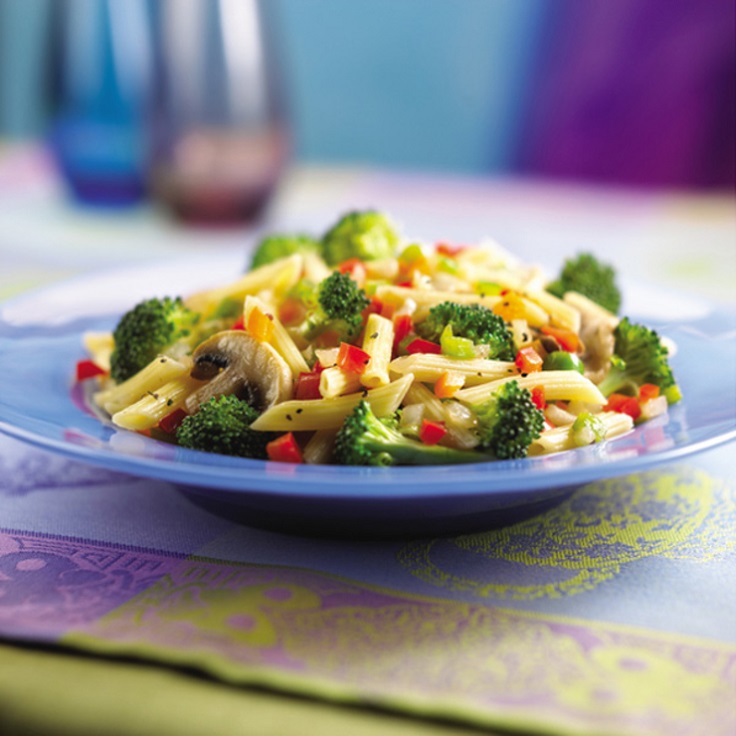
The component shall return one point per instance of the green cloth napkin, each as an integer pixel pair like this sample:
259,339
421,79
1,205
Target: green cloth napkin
44,692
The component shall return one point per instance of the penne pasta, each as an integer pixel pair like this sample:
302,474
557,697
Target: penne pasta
560,313
378,342
316,414
557,385
99,347
148,411
281,341
279,277
318,450
334,382
418,393
428,367
559,439
159,371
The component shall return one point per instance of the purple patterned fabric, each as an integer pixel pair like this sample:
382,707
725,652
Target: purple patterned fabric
49,585
637,92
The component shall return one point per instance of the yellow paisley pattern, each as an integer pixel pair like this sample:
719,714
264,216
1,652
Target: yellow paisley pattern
586,540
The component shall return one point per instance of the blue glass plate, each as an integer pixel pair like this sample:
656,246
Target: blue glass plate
41,340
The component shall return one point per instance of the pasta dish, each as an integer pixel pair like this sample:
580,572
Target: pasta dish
363,347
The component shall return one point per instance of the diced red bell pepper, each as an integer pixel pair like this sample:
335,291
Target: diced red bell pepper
285,449
88,369
375,307
648,391
387,310
566,339
352,359
403,325
528,360
538,397
307,386
420,345
171,422
447,249
624,405
430,433
355,268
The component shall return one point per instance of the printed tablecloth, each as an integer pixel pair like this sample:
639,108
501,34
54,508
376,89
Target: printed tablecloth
614,612
611,613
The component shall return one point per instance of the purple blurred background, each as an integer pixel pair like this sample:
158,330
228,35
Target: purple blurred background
625,92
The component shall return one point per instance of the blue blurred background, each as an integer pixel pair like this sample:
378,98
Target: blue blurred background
633,92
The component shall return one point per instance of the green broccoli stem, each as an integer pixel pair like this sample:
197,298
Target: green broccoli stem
618,380
410,452
401,450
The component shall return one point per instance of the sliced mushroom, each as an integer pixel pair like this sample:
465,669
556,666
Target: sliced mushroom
596,332
233,362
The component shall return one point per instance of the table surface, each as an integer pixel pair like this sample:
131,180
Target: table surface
126,609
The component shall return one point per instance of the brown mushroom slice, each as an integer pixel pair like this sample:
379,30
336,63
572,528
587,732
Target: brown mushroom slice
233,362
597,334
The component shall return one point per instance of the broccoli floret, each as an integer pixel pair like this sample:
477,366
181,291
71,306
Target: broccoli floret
222,425
340,303
591,278
639,357
509,422
472,321
274,247
364,439
152,327
367,235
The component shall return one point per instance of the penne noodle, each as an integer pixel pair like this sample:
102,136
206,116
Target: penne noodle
385,269
428,368
318,450
281,341
159,371
378,342
560,312
99,346
559,439
418,393
315,269
279,277
319,414
148,411
557,385
585,306
335,381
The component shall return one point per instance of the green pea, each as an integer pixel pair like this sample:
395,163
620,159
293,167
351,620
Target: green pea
561,360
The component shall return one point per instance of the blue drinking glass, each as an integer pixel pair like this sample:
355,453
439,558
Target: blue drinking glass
104,69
